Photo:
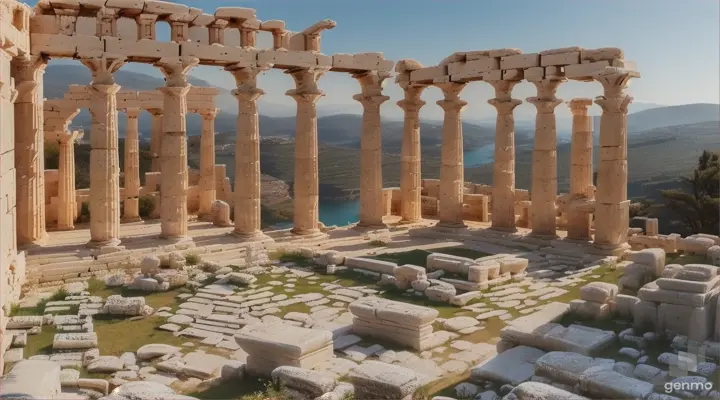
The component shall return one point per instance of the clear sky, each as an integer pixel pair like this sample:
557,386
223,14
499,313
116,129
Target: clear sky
674,42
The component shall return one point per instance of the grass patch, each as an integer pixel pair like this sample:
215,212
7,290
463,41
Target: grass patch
40,343
419,257
192,259
39,308
248,389
118,335
684,259
378,243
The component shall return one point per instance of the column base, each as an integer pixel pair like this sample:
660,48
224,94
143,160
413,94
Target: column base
543,236
127,220
205,217
105,246
365,228
179,242
503,229
257,236
63,228
450,225
612,249
305,232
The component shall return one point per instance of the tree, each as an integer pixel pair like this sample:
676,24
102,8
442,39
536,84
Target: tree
697,204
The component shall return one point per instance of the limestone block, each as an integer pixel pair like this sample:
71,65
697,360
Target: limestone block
382,267
604,53
694,322
288,58
606,383
655,258
220,211
713,255
513,265
687,286
645,315
309,382
37,379
405,274
75,341
537,391
566,367
375,380
150,265
450,263
176,260
585,71
428,74
589,309
440,291
281,340
118,305
331,257
65,46
598,292
651,292
520,61
141,49
513,366
697,272
671,270
571,57
625,306
372,307
231,13
695,245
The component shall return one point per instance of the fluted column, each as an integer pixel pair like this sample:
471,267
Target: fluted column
156,135
173,153
612,208
132,167
247,162
371,183
410,167
207,161
104,162
452,181
66,207
28,70
503,187
543,193
305,184
581,167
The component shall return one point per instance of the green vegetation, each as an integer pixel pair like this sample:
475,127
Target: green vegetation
419,257
146,205
192,259
39,308
291,257
378,243
696,204
684,259
40,343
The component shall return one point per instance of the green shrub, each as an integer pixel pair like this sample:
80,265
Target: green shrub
192,259
378,243
85,211
146,205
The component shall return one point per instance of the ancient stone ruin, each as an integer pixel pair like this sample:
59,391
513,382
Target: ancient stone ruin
494,291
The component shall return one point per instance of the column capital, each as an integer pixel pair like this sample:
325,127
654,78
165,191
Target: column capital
371,102
504,106
614,104
156,112
178,91
371,82
175,69
66,136
26,67
102,66
503,89
306,83
546,88
451,90
132,112
245,74
544,106
104,88
579,106
452,105
411,106
245,93
209,113
26,91
615,80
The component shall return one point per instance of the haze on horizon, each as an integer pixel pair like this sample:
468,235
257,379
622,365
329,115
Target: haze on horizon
674,43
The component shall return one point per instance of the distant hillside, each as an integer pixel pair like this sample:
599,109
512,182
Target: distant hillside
668,116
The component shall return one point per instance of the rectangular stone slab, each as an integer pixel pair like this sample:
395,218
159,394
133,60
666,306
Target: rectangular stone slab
681,285
281,339
651,292
37,379
378,380
394,311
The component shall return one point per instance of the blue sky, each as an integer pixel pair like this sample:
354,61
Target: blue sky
674,42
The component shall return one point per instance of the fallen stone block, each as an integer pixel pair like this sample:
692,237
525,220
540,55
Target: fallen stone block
598,292
604,383
311,383
513,366
379,266
73,341
567,367
375,380
35,379
540,391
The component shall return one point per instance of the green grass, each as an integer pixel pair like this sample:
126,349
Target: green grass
40,343
419,257
247,389
378,243
192,259
119,335
39,309
684,259
291,257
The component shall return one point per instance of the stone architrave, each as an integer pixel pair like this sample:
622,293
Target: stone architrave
131,212
207,162
544,166
156,134
410,173
105,171
67,204
612,208
371,183
452,182
247,162
503,190
305,184
581,168
173,153
27,71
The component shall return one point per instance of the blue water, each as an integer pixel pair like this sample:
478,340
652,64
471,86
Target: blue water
346,212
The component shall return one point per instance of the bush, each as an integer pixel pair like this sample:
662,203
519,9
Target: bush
192,259
378,243
85,211
146,205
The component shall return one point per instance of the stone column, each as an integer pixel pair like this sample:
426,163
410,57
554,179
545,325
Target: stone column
305,184
207,162
247,162
581,167
452,182
28,70
67,204
371,184
503,188
105,167
612,208
132,167
173,153
543,193
156,135
410,174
